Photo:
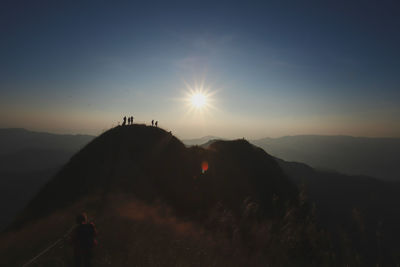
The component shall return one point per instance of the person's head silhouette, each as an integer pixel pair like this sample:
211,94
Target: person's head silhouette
81,218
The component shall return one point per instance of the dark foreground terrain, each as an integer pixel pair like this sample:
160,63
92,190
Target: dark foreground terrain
159,203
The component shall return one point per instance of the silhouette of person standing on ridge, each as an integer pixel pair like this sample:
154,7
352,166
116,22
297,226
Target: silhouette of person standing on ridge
156,123
131,119
124,122
83,239
152,122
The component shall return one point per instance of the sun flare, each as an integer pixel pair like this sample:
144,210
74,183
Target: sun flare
198,100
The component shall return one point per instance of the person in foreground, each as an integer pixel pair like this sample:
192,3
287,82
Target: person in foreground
83,239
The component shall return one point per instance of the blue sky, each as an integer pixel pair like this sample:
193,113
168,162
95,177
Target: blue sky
274,68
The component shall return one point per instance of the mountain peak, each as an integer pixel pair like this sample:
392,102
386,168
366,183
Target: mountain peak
150,163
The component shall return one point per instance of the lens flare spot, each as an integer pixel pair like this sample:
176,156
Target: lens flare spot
204,166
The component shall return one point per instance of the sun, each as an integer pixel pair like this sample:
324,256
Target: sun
198,100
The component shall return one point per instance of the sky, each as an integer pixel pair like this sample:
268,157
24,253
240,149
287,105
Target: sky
269,68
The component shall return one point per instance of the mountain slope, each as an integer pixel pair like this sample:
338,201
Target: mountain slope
231,197
17,189
150,163
28,160
225,203
360,212
199,141
13,140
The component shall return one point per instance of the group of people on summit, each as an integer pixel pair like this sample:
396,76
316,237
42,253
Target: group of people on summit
130,121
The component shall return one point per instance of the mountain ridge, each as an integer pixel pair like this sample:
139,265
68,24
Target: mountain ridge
109,158
13,140
283,212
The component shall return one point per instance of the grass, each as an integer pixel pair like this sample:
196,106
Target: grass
135,233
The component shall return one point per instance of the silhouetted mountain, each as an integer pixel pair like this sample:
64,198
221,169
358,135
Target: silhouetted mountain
17,189
361,213
28,160
225,203
231,197
150,164
15,140
200,141
33,160
377,157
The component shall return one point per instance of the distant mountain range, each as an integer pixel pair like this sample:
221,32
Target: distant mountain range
376,157
200,141
13,140
27,160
